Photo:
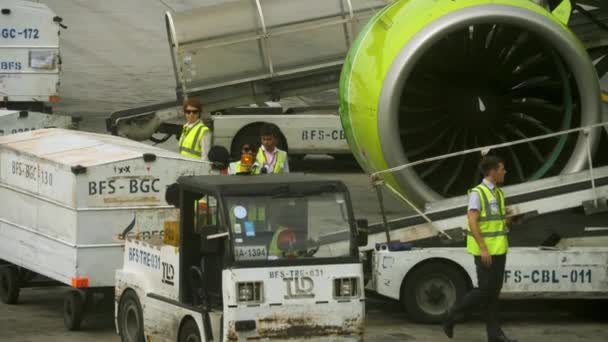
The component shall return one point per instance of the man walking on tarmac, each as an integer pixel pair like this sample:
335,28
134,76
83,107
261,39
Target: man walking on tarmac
487,242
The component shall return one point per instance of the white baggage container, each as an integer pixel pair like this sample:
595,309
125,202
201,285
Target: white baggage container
68,198
29,52
15,121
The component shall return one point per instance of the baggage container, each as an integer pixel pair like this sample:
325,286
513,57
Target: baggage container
15,121
69,198
30,63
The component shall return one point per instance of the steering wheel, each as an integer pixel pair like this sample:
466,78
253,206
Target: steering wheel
312,247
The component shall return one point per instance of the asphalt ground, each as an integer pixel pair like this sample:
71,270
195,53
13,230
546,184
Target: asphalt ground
115,56
37,318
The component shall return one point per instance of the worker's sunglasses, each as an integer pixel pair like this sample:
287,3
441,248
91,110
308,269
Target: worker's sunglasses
246,149
187,111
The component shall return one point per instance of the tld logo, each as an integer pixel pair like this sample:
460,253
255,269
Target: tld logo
168,273
299,287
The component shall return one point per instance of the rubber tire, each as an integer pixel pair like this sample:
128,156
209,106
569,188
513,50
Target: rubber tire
129,303
420,275
591,309
73,310
9,285
189,332
107,301
25,276
250,134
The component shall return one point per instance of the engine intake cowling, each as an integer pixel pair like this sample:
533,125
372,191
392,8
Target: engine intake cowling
426,78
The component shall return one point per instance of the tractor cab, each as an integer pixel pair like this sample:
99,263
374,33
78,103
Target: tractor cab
259,257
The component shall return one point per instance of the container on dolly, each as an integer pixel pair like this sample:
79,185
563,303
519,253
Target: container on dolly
69,199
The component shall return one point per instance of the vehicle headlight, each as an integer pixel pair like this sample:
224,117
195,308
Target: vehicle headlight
43,60
249,292
346,288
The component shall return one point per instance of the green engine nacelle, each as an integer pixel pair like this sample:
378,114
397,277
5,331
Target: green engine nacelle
426,78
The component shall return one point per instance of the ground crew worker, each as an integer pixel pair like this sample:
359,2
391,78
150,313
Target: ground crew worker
270,159
487,242
195,139
219,158
243,166
282,243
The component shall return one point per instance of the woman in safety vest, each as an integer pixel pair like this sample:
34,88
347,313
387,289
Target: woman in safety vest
195,139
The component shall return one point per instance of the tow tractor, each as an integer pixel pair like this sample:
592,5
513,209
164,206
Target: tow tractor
251,258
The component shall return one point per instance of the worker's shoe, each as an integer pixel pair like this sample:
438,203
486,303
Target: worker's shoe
502,338
448,324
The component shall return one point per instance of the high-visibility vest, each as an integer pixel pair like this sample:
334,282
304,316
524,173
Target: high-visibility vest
235,168
190,140
260,159
492,224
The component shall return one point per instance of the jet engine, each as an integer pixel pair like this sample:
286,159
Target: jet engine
426,78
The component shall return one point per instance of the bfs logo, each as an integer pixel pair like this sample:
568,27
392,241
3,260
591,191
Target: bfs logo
299,287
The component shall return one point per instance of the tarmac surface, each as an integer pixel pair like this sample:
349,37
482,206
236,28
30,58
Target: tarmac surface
115,56
38,318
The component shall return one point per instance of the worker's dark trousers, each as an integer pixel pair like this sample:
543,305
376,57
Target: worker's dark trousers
489,280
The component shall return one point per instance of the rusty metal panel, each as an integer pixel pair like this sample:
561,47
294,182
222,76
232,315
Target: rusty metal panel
298,303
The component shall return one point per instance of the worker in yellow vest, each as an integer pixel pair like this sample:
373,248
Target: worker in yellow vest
195,140
220,160
487,242
270,159
244,165
283,243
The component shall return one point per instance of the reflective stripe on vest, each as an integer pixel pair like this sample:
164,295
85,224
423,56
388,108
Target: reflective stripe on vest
278,165
491,224
190,140
491,234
